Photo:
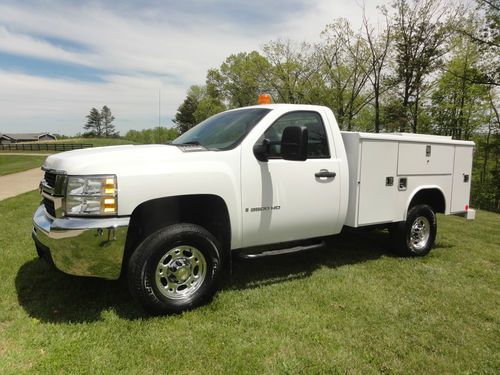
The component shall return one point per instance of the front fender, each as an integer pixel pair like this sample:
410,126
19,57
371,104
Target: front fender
202,173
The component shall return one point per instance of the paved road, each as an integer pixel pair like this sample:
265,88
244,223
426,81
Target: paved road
18,183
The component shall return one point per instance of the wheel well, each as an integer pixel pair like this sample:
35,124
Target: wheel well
208,211
432,197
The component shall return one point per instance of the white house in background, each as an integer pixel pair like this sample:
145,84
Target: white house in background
25,137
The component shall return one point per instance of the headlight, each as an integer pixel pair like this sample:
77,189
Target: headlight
91,195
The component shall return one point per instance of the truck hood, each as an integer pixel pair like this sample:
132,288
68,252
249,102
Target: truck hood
111,160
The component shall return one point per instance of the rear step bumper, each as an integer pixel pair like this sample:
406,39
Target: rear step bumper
470,214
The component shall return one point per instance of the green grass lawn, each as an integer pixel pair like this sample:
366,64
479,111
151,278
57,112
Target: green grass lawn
18,163
353,308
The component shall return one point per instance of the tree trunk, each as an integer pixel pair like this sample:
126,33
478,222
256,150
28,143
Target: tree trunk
406,100
415,115
486,155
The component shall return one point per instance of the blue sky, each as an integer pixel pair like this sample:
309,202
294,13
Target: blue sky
60,58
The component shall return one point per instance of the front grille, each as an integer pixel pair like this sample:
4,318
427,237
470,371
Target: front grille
49,207
50,179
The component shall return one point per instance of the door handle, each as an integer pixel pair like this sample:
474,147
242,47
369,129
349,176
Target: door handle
324,173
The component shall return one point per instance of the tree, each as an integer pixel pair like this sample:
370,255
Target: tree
289,70
201,102
148,136
459,106
490,31
378,44
184,118
240,78
211,99
345,70
487,37
100,123
107,122
421,30
207,107
93,126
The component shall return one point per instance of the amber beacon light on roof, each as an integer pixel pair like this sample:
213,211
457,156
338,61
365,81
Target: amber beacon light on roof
264,98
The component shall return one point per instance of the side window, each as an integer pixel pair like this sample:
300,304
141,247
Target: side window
317,146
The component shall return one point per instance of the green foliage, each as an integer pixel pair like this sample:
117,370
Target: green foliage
201,102
154,135
421,31
349,308
393,114
210,100
290,70
459,105
486,174
345,70
185,116
240,79
208,107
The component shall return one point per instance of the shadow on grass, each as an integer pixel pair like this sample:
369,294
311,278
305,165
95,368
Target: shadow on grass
52,296
350,247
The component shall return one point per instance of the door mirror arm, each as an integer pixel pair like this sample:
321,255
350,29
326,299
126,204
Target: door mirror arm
262,150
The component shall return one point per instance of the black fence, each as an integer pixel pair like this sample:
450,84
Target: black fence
43,146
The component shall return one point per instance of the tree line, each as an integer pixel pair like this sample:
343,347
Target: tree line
425,66
154,135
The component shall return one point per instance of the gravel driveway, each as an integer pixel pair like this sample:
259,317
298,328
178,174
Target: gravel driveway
18,183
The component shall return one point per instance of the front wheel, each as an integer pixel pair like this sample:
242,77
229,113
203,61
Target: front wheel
175,269
416,235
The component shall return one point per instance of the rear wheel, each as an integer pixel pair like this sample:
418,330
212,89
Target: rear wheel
175,269
416,235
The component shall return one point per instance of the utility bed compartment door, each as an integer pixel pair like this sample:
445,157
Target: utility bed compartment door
425,159
377,196
461,178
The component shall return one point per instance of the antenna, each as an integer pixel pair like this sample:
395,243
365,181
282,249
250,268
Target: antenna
159,114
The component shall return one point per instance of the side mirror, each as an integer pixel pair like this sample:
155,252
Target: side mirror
261,150
294,143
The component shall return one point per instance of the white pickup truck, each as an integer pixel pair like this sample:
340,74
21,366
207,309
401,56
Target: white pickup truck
256,180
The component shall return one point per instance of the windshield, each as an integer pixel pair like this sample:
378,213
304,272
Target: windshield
224,130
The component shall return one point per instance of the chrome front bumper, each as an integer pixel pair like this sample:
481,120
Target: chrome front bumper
83,246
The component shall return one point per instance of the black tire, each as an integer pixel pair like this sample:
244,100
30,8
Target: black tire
156,263
415,236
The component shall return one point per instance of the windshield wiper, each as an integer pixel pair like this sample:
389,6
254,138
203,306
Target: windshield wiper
196,143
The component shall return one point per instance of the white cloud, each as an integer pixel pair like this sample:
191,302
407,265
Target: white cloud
139,51
61,105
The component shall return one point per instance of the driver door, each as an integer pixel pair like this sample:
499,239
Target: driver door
284,200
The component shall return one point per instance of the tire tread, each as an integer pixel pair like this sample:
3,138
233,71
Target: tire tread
148,248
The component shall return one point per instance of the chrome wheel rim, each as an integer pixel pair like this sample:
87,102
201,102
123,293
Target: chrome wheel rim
180,272
420,233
